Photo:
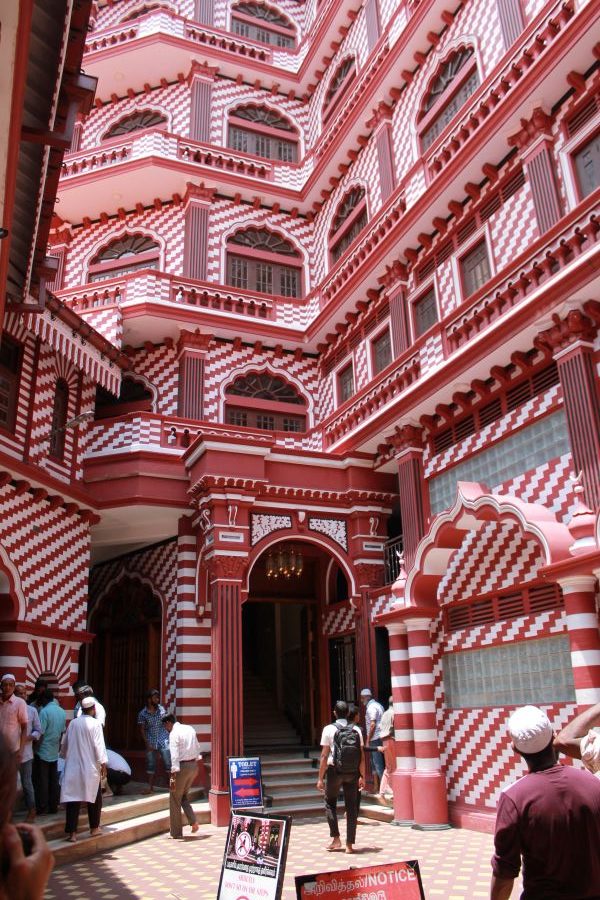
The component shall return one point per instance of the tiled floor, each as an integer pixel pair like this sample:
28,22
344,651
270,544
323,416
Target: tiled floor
454,864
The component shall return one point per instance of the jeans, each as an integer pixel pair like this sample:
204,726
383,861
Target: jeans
165,755
349,784
377,760
179,797
25,770
45,785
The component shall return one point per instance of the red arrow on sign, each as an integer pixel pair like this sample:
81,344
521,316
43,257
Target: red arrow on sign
249,781
248,792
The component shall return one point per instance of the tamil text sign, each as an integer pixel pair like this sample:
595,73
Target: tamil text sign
392,881
254,859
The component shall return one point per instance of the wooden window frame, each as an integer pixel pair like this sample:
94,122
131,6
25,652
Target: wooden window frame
378,337
255,406
478,239
14,379
344,368
336,238
270,28
427,119
256,128
56,444
414,303
256,257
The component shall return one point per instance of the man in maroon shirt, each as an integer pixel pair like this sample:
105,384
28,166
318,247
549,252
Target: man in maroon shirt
549,819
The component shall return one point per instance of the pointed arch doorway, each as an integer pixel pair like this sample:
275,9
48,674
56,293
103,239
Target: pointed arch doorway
124,660
287,662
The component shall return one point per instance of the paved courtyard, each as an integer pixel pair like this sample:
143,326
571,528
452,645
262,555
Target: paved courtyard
454,864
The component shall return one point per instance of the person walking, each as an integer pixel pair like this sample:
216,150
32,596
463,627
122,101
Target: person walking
373,716
548,821
34,732
53,721
154,735
387,749
342,766
183,746
85,757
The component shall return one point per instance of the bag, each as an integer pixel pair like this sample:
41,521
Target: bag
346,750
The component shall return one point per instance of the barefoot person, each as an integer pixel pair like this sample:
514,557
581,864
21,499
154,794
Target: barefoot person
154,735
342,766
85,764
183,745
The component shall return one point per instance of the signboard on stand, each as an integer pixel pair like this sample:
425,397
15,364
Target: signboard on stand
254,859
391,881
245,782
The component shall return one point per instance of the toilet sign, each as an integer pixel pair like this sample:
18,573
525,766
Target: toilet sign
245,782
391,881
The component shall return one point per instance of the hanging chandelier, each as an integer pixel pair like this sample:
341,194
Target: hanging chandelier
284,563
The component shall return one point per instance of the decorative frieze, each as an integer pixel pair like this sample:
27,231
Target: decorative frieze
333,528
263,524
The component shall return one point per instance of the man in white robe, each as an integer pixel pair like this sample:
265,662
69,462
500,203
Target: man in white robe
85,757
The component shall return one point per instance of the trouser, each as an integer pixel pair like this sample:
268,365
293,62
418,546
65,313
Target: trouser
349,784
45,785
93,810
179,797
27,784
377,760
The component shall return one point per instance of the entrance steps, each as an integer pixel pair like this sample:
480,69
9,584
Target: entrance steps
125,819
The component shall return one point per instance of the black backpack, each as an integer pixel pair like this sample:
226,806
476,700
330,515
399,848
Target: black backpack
346,750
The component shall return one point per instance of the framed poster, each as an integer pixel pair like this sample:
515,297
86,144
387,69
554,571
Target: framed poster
390,881
254,859
245,782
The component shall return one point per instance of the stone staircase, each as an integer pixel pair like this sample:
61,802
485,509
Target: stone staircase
126,818
265,726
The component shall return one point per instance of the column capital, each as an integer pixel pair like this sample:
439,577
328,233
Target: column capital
407,438
395,277
198,193
538,125
383,112
578,584
193,340
202,70
574,328
396,628
227,567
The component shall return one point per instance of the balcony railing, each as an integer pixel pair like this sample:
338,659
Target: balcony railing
393,558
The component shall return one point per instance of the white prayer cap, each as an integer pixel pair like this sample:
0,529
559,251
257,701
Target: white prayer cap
366,692
87,702
530,729
8,677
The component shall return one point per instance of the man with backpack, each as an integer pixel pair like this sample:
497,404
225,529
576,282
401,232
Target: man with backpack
342,766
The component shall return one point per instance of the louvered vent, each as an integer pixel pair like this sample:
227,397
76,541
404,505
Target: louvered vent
543,597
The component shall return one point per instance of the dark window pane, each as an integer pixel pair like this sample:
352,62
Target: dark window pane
382,352
59,420
587,164
449,110
238,272
426,314
265,422
475,269
346,383
10,355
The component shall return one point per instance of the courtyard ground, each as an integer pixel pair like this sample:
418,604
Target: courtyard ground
455,864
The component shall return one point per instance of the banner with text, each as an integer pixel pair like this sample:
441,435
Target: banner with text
254,859
391,881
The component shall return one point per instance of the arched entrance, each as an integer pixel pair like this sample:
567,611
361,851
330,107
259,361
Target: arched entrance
125,657
288,664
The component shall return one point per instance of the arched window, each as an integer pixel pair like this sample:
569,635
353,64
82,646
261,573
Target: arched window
262,23
348,222
450,89
338,86
143,118
123,255
59,420
263,132
262,400
10,367
263,261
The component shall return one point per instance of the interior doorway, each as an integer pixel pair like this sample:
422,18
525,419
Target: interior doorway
124,660
342,668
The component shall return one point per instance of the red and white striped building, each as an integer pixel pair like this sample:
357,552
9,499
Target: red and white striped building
344,254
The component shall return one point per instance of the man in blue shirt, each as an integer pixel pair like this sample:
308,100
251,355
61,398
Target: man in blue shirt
154,735
53,721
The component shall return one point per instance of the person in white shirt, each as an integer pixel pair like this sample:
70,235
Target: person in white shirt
183,745
373,715
84,690
34,733
331,781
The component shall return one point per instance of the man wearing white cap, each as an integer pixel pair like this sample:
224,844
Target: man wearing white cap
549,820
13,715
85,757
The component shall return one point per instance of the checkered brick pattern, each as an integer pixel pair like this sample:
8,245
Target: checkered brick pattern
113,14
492,558
159,365
382,605
14,444
387,8
514,227
54,657
108,321
447,293
532,8
431,354
88,401
224,364
339,620
50,551
528,412
165,225
361,365
476,757
127,434
172,101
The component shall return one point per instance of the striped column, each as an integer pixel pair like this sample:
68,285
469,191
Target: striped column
430,801
227,706
190,680
584,638
404,742
13,654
